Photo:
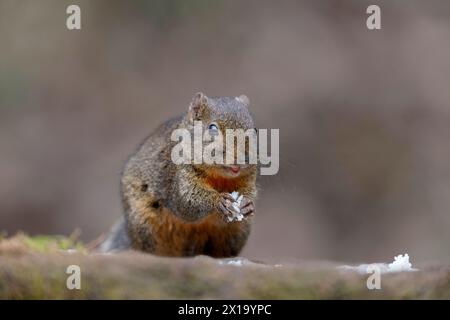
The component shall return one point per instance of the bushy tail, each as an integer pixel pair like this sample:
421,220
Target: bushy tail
118,239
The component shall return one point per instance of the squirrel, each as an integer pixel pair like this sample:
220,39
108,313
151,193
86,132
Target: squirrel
181,209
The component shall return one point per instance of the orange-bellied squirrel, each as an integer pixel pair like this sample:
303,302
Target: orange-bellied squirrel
181,209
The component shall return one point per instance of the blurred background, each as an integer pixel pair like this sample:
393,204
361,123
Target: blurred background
364,116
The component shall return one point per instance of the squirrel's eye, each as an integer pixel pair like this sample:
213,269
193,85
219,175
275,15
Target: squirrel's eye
213,128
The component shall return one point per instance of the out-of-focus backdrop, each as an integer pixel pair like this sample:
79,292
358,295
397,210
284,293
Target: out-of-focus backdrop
364,116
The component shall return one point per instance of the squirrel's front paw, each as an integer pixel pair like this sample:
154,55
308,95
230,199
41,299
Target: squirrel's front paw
227,207
247,207
236,207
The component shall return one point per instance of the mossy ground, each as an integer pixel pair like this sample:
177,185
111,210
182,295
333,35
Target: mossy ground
35,268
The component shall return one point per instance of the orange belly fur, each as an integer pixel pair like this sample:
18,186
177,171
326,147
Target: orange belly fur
211,235
175,237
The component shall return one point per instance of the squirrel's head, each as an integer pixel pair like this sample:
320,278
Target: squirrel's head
217,114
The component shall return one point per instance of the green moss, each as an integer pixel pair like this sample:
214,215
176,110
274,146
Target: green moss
41,243
44,244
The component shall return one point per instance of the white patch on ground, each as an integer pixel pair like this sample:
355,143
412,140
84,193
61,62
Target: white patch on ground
237,215
400,264
242,262
234,262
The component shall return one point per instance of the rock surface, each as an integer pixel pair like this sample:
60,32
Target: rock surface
35,268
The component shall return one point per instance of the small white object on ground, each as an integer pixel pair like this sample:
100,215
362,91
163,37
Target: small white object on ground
244,262
237,215
400,263
233,262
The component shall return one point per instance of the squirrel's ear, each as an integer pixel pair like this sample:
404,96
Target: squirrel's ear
244,99
198,105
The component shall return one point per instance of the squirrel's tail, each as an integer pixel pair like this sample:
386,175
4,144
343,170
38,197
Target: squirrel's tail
118,239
